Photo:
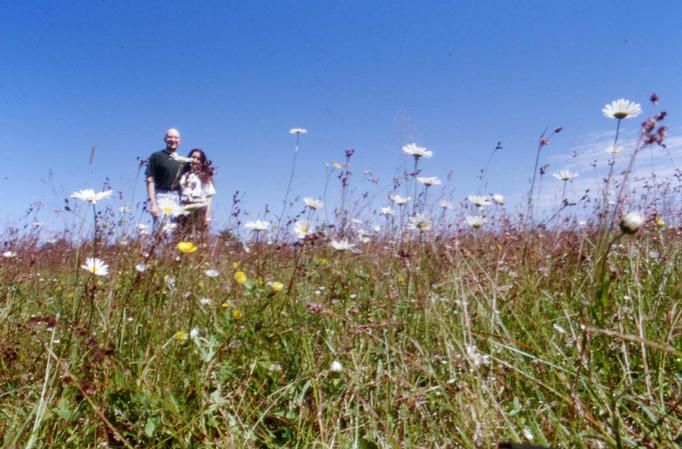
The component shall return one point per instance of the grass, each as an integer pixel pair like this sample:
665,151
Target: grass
443,343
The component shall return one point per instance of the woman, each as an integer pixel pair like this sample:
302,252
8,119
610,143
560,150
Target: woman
196,191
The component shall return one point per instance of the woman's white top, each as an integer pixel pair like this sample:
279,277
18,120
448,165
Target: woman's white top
193,192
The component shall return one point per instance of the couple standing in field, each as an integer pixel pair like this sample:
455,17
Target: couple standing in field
180,182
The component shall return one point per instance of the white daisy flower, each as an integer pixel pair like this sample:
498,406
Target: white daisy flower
622,108
613,149
420,222
499,199
429,180
399,200
258,225
336,367
170,208
90,196
476,221
212,273
479,201
313,203
565,175
445,204
341,245
9,254
95,266
302,229
298,131
387,211
205,301
141,267
413,150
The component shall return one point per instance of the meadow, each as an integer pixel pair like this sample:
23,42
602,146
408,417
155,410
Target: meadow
424,325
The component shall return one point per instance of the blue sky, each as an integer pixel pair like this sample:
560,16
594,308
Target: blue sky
234,77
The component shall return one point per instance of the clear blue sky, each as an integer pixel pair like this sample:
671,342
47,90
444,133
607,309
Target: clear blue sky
234,77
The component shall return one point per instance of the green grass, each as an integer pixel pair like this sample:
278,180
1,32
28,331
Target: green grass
444,342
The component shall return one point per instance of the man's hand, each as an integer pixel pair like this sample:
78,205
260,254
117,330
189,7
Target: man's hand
154,211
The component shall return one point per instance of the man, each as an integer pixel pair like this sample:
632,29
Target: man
163,173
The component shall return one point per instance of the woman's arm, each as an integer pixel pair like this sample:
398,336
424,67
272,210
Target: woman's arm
207,218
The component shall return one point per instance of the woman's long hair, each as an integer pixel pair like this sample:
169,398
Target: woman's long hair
204,170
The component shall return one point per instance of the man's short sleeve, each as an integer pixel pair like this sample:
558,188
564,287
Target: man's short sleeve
149,171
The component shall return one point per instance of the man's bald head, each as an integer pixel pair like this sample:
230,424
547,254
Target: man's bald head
172,139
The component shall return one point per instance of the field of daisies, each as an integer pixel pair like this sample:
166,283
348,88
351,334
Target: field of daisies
424,325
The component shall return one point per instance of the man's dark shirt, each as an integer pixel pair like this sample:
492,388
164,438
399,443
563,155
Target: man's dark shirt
165,170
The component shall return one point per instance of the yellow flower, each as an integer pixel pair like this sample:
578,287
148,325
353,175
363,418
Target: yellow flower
181,336
236,314
235,265
225,305
240,277
659,221
187,247
323,262
276,286
336,164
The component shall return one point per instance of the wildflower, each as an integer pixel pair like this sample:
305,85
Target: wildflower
236,314
142,228
124,209
298,131
612,149
479,201
565,175
559,329
528,433
187,247
170,208
631,222
336,164
170,281
302,229
194,333
376,228
90,196
258,225
445,204
413,150
180,336
336,367
212,273
205,301
141,267
341,245
420,222
168,228
37,224
9,254
275,286
96,266
429,180
499,199
240,277
476,221
659,221
362,236
313,203
399,200
476,358
620,109
387,211
177,157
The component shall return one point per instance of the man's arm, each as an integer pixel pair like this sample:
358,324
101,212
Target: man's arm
151,192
